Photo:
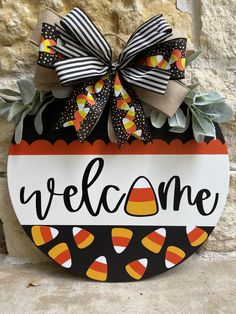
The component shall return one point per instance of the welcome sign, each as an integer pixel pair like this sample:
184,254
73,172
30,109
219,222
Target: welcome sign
118,214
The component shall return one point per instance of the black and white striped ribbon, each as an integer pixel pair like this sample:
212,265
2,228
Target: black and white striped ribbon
81,28
72,71
88,55
148,34
152,79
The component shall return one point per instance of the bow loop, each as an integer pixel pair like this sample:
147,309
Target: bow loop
75,70
81,28
152,79
148,34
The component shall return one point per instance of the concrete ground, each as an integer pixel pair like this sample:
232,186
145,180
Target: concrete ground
197,286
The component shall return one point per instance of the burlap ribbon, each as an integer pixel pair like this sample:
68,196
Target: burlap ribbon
74,53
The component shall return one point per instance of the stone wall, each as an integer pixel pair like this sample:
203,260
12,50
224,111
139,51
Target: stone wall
209,24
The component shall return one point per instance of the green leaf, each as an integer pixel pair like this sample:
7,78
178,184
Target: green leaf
202,125
192,56
220,112
9,92
19,127
193,86
204,99
27,90
38,122
178,120
198,137
158,119
147,109
182,129
15,109
4,107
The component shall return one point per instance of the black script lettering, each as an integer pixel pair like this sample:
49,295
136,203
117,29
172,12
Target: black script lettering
72,190
178,194
38,199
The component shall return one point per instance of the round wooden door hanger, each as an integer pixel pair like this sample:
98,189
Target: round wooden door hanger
117,214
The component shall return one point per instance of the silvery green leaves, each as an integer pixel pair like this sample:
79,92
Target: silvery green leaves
203,109
19,104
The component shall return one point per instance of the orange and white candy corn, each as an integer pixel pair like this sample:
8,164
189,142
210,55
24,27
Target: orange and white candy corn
130,126
181,64
98,269
121,238
174,256
79,116
130,114
175,56
99,86
154,241
153,61
117,85
82,237
122,104
137,268
43,234
196,235
45,45
61,254
141,200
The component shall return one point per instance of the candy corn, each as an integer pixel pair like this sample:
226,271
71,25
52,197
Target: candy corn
175,56
181,64
141,200
196,235
91,89
61,254
99,86
82,237
98,269
174,256
130,126
137,134
117,85
154,241
164,65
45,45
43,234
130,114
153,61
136,269
122,104
121,238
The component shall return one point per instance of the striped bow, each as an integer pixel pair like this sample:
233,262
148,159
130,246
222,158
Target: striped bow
82,58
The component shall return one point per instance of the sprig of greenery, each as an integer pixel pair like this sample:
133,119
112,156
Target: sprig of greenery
203,109
26,101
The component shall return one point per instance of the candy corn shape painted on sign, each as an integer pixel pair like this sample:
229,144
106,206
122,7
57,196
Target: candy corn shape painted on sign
43,234
98,269
61,254
83,238
174,256
121,238
141,200
196,235
136,269
154,241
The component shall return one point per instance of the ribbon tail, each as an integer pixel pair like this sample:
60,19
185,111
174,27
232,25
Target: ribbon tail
85,107
128,117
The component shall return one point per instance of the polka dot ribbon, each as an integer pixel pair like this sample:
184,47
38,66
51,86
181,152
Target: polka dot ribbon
81,56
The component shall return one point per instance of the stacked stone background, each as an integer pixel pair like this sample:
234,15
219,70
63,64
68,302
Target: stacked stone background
209,25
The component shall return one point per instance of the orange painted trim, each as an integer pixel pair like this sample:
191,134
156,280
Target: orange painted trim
158,147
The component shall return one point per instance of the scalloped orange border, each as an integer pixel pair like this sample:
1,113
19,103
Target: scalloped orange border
99,147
